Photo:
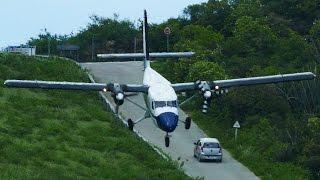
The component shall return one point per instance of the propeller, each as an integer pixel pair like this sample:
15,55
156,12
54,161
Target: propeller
117,94
207,91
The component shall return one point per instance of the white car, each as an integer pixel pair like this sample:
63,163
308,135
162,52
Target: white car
208,149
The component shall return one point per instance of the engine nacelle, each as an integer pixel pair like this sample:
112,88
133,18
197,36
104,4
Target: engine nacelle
118,98
206,93
118,94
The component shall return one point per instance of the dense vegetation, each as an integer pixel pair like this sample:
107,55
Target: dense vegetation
280,133
48,134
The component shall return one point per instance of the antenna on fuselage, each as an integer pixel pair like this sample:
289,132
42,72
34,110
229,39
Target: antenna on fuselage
145,41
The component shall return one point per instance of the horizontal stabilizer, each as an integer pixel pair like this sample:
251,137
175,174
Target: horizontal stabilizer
152,55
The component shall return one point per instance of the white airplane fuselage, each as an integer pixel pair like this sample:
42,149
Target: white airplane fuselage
161,100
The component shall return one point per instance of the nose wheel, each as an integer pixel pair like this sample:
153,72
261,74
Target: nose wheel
167,140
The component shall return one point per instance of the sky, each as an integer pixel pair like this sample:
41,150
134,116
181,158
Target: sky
21,20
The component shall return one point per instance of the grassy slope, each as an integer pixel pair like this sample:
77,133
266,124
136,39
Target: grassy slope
51,134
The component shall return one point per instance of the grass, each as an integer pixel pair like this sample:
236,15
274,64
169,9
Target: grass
48,134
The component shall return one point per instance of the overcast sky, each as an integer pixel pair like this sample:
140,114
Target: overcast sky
22,19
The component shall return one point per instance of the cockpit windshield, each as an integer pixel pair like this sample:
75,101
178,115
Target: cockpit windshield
165,104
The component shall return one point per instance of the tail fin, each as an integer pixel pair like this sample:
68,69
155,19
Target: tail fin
145,41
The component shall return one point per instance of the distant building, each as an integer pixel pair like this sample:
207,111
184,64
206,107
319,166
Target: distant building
26,50
69,51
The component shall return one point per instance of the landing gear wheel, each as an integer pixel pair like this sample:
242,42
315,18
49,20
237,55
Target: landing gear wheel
130,124
187,123
167,141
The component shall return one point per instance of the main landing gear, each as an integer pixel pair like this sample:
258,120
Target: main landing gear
187,123
132,123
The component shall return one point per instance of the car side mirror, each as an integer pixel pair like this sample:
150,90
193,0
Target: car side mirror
195,143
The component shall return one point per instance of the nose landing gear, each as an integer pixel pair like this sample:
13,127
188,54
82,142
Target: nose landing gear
167,140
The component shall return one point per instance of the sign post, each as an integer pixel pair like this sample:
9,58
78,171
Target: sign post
167,31
236,125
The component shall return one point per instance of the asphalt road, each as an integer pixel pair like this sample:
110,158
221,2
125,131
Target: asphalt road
181,142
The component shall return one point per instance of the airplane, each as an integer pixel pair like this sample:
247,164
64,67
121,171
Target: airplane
159,94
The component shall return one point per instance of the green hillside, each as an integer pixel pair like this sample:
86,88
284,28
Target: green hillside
48,134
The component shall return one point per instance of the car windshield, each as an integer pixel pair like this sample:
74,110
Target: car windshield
211,145
165,103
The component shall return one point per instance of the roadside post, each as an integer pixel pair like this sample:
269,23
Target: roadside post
236,125
167,31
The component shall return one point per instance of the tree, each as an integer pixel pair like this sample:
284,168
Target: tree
301,14
213,13
206,71
315,38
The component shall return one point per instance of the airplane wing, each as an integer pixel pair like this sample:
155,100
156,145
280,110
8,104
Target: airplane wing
75,86
180,87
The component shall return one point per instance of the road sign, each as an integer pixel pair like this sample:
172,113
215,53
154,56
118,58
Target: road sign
236,125
167,31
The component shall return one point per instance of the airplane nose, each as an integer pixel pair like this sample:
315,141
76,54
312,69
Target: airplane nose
167,121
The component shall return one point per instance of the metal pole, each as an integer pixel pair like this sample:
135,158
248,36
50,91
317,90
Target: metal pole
92,48
135,46
236,134
167,42
48,45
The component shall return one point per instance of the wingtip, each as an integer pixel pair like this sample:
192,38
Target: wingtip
313,74
5,82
